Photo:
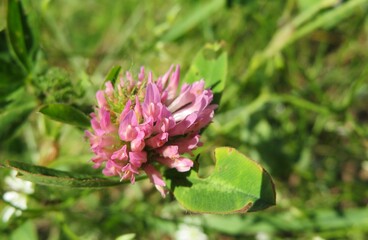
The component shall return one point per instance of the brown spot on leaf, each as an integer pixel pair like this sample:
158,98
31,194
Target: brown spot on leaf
245,208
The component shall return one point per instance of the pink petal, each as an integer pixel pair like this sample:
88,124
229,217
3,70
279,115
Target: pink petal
137,144
151,110
100,96
172,87
200,103
204,118
138,109
187,144
155,178
96,126
98,161
181,164
120,154
129,172
127,129
183,126
141,74
158,140
150,78
183,99
105,121
93,139
130,79
109,89
136,159
111,168
162,80
170,151
126,110
152,94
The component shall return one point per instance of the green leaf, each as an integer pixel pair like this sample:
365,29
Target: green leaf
2,16
113,74
128,236
11,77
66,114
237,185
331,18
19,36
15,113
53,177
326,220
25,231
202,12
211,65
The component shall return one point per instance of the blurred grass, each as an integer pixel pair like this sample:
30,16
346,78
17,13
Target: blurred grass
295,100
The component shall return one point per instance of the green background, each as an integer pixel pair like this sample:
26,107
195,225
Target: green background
295,100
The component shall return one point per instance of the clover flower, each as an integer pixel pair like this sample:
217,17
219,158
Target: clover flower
190,232
16,195
141,123
190,229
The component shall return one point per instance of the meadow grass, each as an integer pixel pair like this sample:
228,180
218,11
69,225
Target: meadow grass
295,100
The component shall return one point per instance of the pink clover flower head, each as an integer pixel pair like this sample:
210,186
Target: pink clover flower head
140,124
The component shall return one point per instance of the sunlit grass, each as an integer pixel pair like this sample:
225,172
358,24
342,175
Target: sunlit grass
295,100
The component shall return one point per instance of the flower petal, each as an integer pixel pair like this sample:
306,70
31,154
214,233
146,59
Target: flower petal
181,164
120,154
136,159
158,140
127,129
155,178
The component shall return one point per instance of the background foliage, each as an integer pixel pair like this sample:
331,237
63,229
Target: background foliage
295,100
